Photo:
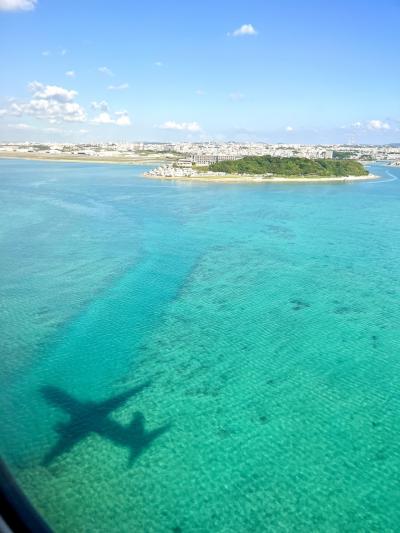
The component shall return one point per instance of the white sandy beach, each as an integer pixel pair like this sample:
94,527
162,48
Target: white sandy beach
257,179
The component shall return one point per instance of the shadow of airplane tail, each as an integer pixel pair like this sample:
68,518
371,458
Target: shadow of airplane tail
91,417
141,438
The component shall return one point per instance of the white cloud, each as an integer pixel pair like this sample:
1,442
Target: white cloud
70,73
49,53
378,125
100,106
236,96
180,126
21,126
17,5
53,130
371,125
51,92
289,128
121,118
57,105
106,71
120,87
50,102
159,64
103,118
200,92
245,29
56,111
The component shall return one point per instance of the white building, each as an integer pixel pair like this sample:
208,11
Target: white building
203,160
184,163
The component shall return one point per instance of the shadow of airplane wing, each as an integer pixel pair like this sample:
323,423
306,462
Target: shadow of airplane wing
92,417
59,398
65,443
107,406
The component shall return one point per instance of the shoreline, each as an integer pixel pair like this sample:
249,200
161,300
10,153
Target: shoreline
202,179
82,159
256,179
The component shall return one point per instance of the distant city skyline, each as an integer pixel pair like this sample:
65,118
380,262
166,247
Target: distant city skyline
287,71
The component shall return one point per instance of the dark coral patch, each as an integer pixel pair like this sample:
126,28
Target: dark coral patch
297,305
343,310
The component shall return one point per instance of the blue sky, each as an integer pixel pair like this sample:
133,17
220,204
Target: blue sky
273,71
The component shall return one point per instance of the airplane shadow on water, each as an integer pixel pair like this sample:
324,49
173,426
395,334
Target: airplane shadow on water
93,417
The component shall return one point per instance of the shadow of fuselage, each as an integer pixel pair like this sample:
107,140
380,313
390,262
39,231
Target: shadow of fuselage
93,417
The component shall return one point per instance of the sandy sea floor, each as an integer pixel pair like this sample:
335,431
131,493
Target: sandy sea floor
262,320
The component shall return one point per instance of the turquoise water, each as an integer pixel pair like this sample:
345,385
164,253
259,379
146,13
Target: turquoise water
262,321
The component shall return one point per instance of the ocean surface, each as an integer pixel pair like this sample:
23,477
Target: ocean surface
181,357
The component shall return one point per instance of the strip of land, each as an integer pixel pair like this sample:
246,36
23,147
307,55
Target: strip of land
117,160
260,179
197,177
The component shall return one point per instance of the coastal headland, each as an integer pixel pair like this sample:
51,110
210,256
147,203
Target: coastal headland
166,171
265,169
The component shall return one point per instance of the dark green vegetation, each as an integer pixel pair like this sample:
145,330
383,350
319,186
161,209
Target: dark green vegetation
343,155
348,155
290,166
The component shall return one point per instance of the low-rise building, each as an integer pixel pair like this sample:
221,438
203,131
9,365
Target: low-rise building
184,163
207,159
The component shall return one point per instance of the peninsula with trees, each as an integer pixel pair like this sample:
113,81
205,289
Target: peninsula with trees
266,168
